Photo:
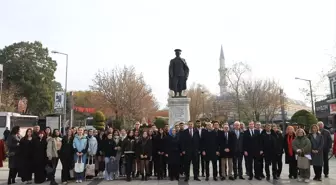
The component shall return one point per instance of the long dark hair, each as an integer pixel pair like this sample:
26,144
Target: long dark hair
15,130
54,133
47,135
26,135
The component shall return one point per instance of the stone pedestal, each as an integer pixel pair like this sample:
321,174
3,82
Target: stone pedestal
178,110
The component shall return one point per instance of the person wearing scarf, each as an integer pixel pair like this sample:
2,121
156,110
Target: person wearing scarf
290,158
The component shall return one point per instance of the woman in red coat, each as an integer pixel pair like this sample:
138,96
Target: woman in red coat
2,152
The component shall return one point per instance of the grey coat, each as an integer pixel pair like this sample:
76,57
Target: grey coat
317,144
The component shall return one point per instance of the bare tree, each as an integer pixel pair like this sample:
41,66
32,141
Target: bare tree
201,101
126,92
261,97
9,102
234,76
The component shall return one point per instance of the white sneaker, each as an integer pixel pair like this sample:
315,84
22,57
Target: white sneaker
80,181
77,181
306,180
299,179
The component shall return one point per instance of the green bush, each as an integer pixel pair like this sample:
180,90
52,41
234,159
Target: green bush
304,117
160,122
99,120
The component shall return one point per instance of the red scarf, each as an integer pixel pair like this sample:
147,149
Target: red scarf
290,146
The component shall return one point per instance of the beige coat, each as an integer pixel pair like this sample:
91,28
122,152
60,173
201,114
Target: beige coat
51,148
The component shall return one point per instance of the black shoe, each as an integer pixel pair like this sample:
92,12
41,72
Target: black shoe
215,179
258,178
128,179
275,177
206,178
268,178
315,178
262,176
203,175
231,178
241,178
171,179
250,178
326,176
197,179
142,177
222,178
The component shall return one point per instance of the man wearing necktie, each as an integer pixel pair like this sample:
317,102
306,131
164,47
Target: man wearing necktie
252,150
239,152
190,145
200,132
226,150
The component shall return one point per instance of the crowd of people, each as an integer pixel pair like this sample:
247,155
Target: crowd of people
159,153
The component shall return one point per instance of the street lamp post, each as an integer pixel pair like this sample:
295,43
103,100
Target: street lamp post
311,92
203,103
65,88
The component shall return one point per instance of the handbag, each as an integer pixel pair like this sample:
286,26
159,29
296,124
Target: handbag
303,162
90,168
79,165
72,173
48,169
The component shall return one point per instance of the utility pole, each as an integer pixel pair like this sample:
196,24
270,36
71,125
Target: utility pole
1,82
203,104
282,102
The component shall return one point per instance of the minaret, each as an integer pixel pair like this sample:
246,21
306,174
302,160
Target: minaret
222,74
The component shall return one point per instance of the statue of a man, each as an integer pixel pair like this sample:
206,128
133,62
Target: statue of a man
178,74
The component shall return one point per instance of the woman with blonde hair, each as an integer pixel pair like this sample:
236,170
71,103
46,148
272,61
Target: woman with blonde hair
317,144
302,148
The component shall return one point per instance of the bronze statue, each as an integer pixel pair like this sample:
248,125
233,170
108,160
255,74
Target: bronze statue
178,74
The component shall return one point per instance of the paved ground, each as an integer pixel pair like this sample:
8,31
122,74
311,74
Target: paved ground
282,181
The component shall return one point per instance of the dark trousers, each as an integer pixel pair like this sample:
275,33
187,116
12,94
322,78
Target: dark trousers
182,165
270,160
66,167
253,163
293,170
214,168
278,160
129,158
174,171
12,175
246,165
237,165
326,162
159,166
194,158
53,164
318,171
202,164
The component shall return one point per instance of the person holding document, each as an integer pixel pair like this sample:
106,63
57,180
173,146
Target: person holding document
317,144
302,148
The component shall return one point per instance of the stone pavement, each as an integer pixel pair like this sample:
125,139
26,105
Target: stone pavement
282,181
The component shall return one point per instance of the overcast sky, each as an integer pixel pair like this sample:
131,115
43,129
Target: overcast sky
278,39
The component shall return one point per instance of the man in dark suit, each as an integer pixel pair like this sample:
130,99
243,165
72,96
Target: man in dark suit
217,131
239,152
178,74
326,148
252,149
226,141
190,145
210,152
200,132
